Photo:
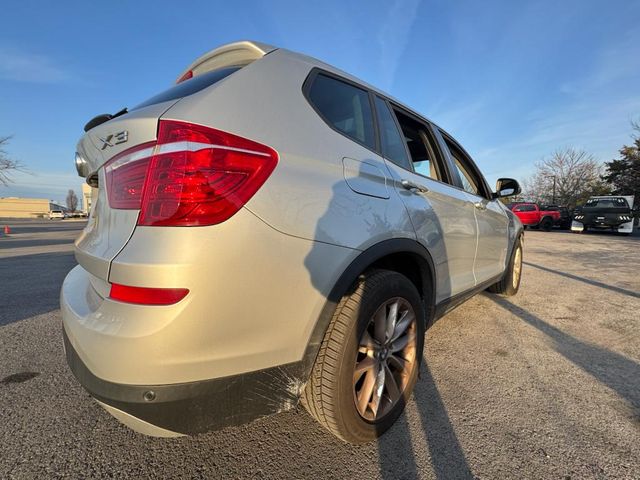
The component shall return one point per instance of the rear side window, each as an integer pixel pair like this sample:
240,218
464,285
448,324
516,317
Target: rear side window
189,87
344,107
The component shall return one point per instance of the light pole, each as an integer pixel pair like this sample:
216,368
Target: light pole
553,200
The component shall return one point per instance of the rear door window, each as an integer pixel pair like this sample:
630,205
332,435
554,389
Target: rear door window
189,87
345,107
392,141
421,147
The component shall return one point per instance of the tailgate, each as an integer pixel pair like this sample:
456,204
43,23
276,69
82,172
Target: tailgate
108,230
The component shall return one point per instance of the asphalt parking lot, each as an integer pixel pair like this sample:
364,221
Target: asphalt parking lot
542,385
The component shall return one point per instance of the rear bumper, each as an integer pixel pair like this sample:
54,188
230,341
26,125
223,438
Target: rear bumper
230,351
193,407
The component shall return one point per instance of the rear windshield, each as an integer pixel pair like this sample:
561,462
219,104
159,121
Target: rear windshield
189,87
604,203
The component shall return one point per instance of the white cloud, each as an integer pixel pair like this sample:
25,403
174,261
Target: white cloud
28,67
393,38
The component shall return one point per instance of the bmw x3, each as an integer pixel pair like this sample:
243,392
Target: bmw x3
271,230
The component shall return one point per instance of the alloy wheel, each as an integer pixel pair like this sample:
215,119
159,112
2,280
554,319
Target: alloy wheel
386,359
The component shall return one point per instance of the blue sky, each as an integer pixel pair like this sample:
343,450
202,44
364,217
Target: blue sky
512,81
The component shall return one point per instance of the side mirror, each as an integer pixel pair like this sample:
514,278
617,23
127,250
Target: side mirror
506,187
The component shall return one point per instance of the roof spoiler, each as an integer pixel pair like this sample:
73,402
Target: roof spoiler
232,54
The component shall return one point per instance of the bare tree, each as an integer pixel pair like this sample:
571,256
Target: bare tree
7,165
72,201
568,177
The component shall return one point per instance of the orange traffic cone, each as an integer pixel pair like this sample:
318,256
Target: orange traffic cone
7,230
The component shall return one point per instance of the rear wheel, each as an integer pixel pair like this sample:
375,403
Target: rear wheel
369,359
510,282
546,224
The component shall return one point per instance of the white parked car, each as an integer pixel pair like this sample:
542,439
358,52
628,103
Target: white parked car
56,215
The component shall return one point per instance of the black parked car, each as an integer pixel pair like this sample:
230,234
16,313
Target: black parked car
565,215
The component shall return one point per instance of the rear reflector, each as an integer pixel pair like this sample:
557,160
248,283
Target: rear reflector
193,175
147,296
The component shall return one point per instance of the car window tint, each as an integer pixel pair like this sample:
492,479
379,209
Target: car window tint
345,107
189,87
393,146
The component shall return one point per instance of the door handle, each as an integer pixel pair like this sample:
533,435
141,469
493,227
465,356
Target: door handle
480,206
414,187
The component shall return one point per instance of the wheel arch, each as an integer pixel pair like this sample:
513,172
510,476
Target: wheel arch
402,255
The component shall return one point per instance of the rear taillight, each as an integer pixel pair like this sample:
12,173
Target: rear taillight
194,175
147,296
126,175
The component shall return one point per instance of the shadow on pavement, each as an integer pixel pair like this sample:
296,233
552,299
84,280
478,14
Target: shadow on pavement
447,456
30,284
395,452
595,283
616,371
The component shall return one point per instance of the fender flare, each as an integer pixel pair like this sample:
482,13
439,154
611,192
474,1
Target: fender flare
348,279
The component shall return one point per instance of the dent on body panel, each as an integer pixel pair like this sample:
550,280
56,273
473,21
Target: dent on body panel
430,231
430,224
278,389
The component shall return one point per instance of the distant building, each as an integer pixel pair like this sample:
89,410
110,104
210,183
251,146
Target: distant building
14,207
87,195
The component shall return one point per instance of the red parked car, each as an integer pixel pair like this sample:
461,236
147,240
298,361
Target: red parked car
531,215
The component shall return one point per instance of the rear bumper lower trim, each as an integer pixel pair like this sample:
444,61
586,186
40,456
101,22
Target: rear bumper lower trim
197,407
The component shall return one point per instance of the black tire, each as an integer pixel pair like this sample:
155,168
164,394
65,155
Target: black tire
546,224
329,393
509,285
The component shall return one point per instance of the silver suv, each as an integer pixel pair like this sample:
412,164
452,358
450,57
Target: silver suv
270,230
